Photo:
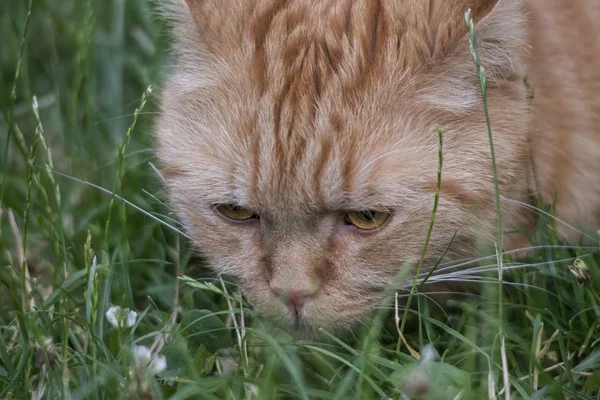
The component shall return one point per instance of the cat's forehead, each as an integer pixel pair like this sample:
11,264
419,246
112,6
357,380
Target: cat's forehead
326,104
339,162
296,143
314,98
325,36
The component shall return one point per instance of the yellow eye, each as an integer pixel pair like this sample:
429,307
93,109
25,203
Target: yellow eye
235,212
366,220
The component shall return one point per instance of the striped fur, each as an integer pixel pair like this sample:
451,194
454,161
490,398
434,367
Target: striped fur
301,110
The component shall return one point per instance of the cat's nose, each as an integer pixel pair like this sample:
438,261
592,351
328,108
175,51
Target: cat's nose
294,298
296,301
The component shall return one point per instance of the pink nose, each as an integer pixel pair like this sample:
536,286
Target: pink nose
295,299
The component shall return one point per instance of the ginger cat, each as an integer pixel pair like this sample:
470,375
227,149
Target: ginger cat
298,139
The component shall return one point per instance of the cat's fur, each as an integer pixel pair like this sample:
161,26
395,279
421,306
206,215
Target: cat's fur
302,110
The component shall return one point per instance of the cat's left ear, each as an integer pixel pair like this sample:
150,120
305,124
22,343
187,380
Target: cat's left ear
500,29
499,25
446,22
498,21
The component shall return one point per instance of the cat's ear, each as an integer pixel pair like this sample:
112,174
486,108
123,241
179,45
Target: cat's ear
495,20
446,22
500,29
214,26
178,14
195,24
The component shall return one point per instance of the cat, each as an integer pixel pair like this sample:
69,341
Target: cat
299,139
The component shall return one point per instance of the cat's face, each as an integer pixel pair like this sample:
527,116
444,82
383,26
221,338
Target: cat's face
299,143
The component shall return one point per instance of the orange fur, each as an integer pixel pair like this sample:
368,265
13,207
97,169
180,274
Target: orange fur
302,110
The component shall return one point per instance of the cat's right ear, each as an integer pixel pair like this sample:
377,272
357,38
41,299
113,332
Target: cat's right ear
500,27
214,26
197,25
178,13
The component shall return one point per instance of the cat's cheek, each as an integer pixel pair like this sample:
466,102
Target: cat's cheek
351,242
259,295
346,246
229,250
346,234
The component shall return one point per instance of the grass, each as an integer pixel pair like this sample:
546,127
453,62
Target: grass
84,227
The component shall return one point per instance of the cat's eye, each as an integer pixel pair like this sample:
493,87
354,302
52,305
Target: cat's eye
366,220
235,212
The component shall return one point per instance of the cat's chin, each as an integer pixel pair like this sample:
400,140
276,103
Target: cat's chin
302,329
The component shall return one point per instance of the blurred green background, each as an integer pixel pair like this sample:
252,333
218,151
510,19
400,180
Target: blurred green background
88,63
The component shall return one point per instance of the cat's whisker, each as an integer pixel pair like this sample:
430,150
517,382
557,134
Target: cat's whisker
103,121
171,219
441,272
445,292
232,283
438,305
478,279
455,264
547,214
493,268
129,203
460,266
484,269
370,322
462,263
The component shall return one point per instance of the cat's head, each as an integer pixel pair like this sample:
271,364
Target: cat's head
299,142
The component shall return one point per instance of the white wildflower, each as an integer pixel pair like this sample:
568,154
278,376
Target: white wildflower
121,318
428,354
144,360
581,271
418,383
251,391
